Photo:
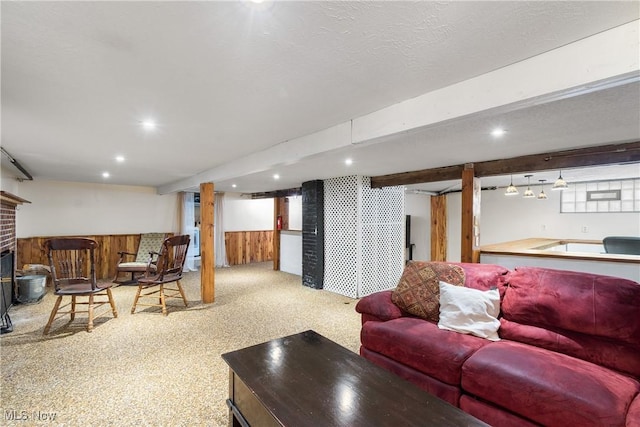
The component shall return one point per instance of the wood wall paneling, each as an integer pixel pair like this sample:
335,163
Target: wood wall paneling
31,251
242,247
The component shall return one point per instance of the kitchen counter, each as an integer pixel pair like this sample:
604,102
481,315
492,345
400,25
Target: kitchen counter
564,254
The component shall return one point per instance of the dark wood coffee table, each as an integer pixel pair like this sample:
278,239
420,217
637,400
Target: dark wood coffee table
308,380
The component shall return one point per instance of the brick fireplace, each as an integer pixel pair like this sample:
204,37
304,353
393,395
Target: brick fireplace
8,208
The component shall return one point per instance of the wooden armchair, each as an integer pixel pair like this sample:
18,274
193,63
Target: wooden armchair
136,263
167,268
73,271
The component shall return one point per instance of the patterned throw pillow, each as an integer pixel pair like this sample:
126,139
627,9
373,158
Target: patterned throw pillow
418,291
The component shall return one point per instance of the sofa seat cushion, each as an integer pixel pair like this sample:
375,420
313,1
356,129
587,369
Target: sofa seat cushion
491,414
633,416
547,387
447,392
420,345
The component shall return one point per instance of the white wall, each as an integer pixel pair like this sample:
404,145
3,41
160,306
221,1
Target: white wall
295,213
419,207
454,224
67,208
241,214
504,219
291,252
510,218
8,182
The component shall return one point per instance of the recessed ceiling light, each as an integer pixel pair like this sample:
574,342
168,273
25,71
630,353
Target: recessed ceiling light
233,186
105,174
498,132
276,176
261,5
119,159
348,162
149,125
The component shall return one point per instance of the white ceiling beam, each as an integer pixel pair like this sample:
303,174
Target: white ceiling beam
595,63
281,154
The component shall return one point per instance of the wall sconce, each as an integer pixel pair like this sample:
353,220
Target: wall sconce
529,193
511,189
542,195
560,183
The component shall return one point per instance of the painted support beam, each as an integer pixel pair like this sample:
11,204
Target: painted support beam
602,61
606,59
287,152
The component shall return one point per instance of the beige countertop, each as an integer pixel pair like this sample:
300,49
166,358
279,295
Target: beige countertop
539,247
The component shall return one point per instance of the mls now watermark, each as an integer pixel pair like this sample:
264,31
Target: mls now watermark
16,415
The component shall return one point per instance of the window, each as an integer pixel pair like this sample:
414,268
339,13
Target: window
602,196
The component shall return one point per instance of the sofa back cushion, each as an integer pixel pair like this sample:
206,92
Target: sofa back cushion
484,276
585,315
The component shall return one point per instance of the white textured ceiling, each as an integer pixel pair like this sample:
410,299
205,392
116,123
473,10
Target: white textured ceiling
227,79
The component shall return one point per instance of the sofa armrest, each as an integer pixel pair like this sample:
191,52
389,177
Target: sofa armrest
379,306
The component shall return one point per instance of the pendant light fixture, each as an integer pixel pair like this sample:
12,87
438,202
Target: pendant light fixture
529,193
560,183
542,195
511,189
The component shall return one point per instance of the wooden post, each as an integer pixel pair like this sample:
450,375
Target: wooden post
207,250
439,228
470,216
277,202
284,212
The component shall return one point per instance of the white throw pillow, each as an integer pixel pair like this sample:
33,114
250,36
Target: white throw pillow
469,311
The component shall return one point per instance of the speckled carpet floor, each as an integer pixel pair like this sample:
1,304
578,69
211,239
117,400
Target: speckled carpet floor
145,369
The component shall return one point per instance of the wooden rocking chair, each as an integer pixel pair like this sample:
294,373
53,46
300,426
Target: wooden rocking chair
149,242
73,272
167,268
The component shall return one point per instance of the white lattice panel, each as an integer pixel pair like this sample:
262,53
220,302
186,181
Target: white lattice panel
364,236
341,235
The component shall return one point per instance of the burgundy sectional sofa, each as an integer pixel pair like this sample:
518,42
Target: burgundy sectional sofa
569,353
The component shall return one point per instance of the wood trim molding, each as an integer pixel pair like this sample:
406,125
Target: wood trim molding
582,157
12,199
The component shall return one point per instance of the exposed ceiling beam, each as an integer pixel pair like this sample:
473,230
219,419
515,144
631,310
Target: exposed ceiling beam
278,193
446,173
566,159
